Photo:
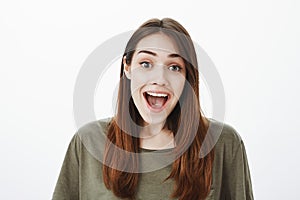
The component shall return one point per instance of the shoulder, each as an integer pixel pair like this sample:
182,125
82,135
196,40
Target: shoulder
94,127
227,139
231,168
91,137
227,133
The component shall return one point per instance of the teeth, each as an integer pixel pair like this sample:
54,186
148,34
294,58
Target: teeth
157,94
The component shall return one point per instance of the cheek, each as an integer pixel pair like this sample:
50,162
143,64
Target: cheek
178,85
137,80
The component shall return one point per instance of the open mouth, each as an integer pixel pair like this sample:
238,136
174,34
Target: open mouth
156,100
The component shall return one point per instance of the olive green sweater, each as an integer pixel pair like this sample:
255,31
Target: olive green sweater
81,172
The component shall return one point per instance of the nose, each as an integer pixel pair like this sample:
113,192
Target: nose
159,75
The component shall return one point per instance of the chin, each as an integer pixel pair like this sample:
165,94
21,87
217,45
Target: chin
154,118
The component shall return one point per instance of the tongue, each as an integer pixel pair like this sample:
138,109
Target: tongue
156,102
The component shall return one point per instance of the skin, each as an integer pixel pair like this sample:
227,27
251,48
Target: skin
156,67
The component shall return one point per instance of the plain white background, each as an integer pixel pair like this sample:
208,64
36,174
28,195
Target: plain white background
255,46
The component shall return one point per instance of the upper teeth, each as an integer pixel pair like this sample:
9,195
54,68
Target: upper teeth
157,94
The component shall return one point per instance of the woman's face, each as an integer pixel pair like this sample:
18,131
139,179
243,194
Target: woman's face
157,74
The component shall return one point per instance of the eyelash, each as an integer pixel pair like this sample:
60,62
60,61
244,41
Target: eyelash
144,62
178,68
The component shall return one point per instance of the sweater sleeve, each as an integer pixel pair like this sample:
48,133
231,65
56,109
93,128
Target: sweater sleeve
67,186
238,176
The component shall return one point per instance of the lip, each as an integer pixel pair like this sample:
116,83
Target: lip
157,110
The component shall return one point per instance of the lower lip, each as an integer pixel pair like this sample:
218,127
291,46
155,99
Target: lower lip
156,110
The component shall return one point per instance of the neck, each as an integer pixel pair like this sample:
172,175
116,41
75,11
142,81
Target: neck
153,136
151,130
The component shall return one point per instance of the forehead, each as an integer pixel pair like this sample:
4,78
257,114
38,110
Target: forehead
159,42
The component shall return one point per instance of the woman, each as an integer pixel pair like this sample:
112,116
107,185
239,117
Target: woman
158,113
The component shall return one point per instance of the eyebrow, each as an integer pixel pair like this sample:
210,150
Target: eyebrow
172,55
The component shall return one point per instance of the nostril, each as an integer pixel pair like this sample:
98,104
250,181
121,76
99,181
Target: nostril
158,83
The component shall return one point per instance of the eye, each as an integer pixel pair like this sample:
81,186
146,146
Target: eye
175,68
145,64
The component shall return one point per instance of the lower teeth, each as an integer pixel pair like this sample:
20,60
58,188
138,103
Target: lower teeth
156,102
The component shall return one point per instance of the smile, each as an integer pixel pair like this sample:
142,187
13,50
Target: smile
156,101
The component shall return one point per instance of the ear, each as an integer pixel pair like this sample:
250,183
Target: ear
126,68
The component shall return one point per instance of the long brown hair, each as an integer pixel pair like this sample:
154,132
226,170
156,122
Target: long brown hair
192,174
